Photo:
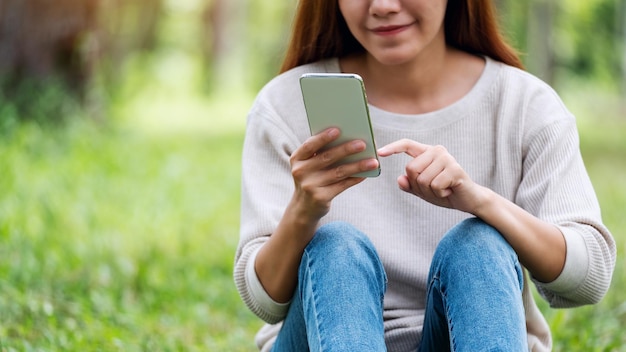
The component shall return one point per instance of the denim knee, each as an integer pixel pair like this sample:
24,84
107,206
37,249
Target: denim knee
475,292
341,245
475,244
341,238
475,236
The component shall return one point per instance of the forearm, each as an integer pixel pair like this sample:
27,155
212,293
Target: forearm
540,246
278,260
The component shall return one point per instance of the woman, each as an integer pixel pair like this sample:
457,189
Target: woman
482,190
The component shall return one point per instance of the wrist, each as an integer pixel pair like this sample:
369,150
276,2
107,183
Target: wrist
299,220
485,202
303,211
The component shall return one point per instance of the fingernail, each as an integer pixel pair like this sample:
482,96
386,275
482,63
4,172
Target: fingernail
333,132
371,164
358,145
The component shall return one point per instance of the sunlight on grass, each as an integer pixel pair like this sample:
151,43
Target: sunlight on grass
163,113
166,100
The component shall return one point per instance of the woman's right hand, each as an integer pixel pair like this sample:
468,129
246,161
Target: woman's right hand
317,182
317,179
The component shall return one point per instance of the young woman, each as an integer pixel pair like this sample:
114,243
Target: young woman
482,191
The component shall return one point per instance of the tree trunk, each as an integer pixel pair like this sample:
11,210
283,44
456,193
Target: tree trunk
39,39
224,24
621,45
540,39
64,40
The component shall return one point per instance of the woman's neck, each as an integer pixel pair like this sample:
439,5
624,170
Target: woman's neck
428,83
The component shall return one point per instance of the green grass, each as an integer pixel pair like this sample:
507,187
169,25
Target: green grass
122,238
114,240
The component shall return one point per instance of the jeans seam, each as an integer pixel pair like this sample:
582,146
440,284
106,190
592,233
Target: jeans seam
318,324
444,299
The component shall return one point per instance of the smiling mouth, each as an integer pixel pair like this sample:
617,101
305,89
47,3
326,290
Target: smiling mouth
389,30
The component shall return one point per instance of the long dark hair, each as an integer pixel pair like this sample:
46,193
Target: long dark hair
320,32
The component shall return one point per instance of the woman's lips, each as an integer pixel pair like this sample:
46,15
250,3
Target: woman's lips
390,30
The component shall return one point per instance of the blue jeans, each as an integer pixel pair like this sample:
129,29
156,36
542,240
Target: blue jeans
474,300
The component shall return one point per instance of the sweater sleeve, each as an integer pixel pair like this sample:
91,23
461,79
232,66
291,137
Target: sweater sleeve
556,187
265,191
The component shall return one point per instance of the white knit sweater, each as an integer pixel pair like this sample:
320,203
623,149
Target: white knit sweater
510,133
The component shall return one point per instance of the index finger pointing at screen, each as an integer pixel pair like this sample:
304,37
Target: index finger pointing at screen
407,146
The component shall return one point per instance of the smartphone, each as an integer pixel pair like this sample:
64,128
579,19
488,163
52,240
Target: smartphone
339,100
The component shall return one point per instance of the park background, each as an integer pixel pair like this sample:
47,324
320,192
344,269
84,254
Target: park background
121,125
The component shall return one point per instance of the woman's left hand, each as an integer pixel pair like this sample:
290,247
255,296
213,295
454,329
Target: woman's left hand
435,176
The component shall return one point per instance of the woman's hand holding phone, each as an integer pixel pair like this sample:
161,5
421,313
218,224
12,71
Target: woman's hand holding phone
318,180
317,177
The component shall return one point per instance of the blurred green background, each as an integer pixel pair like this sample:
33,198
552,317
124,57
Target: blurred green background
121,124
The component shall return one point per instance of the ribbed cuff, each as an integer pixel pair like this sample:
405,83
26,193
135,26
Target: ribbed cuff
576,264
259,295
